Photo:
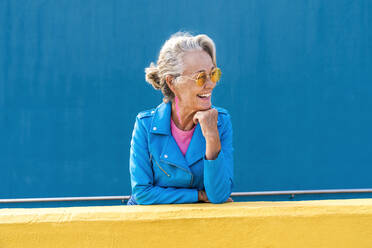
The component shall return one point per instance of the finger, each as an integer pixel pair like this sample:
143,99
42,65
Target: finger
214,113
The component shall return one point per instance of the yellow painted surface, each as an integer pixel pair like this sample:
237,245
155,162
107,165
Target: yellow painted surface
326,223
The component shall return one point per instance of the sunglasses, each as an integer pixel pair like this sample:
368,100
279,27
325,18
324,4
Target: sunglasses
201,78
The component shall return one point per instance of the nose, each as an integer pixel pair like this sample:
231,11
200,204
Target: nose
209,84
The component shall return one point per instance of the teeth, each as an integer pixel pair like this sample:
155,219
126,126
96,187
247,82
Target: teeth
205,95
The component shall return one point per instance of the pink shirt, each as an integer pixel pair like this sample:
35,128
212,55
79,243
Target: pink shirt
182,138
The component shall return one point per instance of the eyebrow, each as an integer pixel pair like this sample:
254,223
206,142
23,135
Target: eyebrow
204,70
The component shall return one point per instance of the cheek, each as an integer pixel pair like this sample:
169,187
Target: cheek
188,93
190,97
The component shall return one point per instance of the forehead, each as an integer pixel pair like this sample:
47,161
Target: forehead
196,61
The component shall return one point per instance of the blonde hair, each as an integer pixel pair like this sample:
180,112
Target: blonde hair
170,59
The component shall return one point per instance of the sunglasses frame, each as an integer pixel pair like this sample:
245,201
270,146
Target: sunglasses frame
204,73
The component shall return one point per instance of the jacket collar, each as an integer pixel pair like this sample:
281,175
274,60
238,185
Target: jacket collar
161,122
171,152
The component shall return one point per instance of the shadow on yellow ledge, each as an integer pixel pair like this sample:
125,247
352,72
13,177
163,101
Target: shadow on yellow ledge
325,223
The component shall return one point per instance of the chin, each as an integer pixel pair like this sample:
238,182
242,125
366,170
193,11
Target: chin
205,106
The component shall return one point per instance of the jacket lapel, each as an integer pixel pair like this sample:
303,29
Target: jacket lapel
160,125
172,154
196,150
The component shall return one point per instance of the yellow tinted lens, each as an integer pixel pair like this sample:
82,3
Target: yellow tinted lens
200,80
215,75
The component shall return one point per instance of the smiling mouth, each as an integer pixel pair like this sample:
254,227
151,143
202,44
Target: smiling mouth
204,95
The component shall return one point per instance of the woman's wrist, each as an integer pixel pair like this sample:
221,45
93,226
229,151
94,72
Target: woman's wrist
212,135
212,148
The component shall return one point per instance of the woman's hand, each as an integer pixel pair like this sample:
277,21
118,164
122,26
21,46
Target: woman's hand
202,196
208,124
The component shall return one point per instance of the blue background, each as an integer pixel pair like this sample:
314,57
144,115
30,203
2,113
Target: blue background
297,81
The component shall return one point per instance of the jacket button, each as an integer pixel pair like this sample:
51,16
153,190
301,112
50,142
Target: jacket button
165,156
154,128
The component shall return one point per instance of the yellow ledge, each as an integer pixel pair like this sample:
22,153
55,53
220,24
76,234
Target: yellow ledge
325,223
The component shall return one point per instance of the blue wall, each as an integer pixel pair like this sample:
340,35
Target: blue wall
297,81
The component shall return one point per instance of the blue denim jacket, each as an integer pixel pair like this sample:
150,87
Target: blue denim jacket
161,174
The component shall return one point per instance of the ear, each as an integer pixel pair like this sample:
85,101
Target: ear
169,81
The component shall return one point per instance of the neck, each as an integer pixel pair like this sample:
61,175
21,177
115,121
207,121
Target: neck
182,117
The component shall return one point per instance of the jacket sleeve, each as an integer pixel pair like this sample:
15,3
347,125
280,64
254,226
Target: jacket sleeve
218,173
142,180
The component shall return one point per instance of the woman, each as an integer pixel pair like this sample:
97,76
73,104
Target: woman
181,151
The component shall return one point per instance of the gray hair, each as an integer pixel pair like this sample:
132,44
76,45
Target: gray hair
170,61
